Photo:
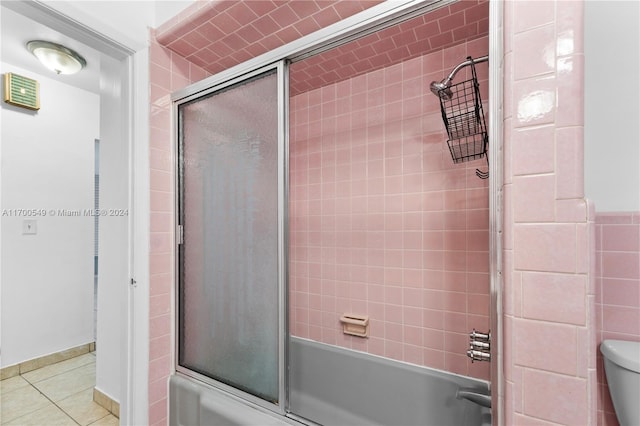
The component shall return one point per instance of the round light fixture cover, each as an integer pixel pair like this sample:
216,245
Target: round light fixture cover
56,57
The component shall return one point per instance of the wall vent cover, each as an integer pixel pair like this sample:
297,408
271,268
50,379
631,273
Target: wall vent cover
21,91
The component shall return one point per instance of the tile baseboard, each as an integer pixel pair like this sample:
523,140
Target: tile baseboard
43,361
106,402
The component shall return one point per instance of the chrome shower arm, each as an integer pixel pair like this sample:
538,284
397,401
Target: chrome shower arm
465,64
442,89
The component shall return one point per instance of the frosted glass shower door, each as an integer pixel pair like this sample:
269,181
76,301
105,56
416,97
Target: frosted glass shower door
228,266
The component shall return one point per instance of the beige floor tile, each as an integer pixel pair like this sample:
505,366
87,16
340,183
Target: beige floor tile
20,402
109,420
49,415
58,368
68,383
82,408
8,385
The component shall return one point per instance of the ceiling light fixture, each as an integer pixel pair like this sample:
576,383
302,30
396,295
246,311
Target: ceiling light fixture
56,57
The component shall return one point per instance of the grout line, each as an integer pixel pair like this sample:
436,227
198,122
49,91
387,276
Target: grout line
59,408
55,375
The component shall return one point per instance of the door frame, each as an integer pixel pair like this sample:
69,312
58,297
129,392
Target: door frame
133,58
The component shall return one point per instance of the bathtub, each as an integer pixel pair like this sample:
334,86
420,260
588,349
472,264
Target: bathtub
335,386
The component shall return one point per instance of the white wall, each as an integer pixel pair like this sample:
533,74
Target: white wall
127,22
167,9
612,105
47,278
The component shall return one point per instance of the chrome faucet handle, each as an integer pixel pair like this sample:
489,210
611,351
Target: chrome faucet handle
476,355
476,335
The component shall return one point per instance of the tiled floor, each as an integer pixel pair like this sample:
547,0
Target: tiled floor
59,394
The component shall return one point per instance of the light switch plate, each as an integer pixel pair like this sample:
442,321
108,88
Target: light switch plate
29,227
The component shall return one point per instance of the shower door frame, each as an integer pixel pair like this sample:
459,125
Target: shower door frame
282,78
366,22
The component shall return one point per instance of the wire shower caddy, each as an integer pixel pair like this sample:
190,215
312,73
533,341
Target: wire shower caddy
463,118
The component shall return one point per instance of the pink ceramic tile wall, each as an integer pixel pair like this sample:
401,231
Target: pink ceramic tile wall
543,136
168,72
217,35
442,28
382,223
549,292
618,291
196,32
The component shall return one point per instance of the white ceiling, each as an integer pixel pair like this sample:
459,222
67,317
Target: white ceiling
17,30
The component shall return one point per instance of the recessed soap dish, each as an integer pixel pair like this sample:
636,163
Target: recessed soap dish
355,325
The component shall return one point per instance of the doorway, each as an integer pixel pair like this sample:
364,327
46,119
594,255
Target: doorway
112,91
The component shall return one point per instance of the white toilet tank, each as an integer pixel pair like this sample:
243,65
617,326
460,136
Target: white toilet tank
622,367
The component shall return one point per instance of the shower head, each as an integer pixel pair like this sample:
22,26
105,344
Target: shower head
442,89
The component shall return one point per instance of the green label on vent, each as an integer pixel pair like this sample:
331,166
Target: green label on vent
21,91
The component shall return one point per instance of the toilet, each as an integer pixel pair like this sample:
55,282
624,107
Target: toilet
622,367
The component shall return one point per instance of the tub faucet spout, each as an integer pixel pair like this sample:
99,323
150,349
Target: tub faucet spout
473,395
